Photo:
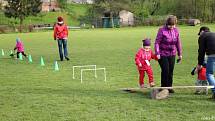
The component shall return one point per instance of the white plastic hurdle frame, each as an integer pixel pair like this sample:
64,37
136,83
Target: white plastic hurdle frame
73,69
82,70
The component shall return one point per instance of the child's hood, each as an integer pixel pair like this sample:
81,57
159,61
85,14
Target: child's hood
18,40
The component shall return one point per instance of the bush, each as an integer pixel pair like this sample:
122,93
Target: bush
5,29
2,29
151,21
191,22
13,28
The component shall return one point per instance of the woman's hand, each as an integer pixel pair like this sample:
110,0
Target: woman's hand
158,57
179,59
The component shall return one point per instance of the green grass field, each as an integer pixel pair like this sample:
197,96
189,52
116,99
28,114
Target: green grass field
29,92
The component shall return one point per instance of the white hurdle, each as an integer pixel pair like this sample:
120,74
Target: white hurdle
82,70
73,69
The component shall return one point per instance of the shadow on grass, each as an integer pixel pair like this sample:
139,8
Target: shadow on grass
86,92
190,96
105,93
7,58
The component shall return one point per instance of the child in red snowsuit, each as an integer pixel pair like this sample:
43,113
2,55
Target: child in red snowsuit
201,79
142,59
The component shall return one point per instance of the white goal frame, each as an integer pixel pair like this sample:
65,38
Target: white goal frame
82,70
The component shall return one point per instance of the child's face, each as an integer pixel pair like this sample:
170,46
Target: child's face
146,48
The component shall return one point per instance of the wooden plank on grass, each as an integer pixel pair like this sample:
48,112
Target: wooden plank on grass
174,87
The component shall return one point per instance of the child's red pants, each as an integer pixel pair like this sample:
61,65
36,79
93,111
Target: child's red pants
142,75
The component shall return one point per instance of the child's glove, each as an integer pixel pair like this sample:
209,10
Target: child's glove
158,57
193,71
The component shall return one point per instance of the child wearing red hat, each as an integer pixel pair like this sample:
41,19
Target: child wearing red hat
61,35
142,59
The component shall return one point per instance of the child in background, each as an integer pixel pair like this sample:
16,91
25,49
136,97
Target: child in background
19,47
61,35
142,59
201,80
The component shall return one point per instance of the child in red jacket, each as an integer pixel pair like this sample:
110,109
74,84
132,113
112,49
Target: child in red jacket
201,79
142,59
61,35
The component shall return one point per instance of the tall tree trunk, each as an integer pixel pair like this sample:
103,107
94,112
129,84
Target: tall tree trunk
111,19
21,24
213,11
204,10
195,7
156,7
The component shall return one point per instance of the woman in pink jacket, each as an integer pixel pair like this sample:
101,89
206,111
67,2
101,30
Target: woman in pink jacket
167,45
142,59
61,35
19,47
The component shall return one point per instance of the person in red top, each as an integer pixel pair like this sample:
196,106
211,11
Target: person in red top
142,60
201,79
61,35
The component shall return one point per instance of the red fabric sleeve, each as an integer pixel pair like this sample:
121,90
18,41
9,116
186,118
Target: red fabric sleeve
154,56
137,58
55,32
66,31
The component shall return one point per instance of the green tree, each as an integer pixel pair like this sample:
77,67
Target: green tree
140,9
212,7
1,6
110,8
200,9
154,6
62,4
20,9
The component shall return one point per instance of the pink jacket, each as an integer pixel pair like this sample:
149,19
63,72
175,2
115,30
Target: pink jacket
60,32
168,42
19,46
141,58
